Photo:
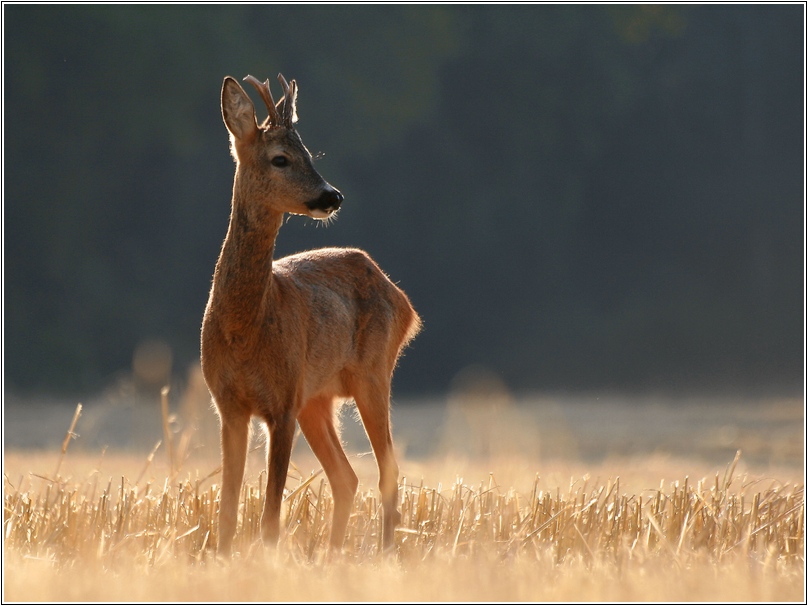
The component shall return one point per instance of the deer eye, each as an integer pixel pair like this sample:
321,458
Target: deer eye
280,161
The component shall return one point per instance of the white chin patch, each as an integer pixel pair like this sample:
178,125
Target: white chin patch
320,214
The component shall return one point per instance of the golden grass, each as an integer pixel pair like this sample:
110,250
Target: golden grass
723,536
509,540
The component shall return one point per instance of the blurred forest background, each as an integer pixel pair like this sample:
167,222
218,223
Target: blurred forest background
574,197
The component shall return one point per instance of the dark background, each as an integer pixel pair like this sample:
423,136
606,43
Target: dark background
575,197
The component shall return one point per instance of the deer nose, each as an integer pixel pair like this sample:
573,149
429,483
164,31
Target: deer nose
329,201
336,198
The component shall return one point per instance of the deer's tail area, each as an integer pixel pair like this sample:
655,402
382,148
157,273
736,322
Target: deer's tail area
409,322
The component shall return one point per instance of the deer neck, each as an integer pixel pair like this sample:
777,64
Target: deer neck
243,283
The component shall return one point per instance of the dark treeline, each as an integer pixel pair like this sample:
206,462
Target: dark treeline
576,197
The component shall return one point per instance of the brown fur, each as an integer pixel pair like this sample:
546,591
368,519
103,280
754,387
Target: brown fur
282,340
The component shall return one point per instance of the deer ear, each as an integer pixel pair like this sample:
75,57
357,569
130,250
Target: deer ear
238,111
290,106
289,102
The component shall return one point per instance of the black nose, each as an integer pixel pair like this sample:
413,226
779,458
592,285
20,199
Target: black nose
335,197
328,201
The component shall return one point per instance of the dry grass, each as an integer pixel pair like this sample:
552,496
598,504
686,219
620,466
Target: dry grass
724,536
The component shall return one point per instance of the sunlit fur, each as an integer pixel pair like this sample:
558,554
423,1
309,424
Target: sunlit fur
283,340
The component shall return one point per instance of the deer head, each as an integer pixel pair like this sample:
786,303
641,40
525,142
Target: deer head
271,160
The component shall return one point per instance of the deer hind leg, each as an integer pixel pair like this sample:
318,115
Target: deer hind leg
373,403
281,436
317,423
235,435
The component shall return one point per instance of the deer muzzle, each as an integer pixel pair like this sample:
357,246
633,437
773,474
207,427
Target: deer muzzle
328,202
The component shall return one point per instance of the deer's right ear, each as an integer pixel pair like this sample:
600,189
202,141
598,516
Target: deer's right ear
238,111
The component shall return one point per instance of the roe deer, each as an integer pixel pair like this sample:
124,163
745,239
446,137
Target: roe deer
286,340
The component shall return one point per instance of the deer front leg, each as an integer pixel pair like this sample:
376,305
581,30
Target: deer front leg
235,434
281,435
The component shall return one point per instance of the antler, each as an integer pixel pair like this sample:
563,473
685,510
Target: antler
266,95
289,109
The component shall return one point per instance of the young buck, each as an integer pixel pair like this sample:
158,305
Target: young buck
290,339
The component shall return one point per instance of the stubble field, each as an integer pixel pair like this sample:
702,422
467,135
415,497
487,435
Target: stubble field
536,499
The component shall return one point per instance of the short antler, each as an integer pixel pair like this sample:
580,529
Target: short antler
266,95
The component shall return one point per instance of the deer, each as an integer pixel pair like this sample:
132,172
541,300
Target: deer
290,340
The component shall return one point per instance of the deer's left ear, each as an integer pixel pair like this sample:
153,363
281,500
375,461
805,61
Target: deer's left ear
238,112
289,101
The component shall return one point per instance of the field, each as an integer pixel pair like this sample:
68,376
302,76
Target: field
536,499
